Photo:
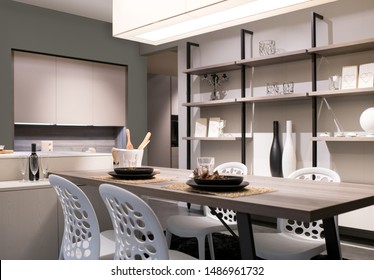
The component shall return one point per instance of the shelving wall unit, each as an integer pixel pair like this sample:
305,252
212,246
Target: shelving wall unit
312,54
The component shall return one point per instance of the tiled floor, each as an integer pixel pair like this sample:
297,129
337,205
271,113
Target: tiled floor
350,250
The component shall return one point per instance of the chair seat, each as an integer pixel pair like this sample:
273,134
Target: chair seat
278,246
190,226
107,245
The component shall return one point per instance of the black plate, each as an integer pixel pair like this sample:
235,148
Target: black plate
133,170
217,188
226,180
131,176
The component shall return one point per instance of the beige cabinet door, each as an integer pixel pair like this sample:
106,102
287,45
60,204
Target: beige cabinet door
74,92
109,95
34,88
29,227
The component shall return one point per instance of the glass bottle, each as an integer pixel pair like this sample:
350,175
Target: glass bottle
33,157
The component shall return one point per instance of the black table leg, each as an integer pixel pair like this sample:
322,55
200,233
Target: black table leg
332,239
247,244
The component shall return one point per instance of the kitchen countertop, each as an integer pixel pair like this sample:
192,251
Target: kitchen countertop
17,185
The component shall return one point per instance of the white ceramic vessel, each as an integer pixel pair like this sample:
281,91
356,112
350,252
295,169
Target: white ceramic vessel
367,121
289,152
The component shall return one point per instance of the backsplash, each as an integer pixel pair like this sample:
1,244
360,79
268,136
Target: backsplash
67,139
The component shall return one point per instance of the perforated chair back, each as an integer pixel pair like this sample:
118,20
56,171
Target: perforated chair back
81,238
232,168
138,233
313,230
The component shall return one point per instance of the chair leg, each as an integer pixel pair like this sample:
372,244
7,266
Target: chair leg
201,246
211,246
168,238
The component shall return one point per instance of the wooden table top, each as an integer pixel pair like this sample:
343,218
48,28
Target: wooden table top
293,199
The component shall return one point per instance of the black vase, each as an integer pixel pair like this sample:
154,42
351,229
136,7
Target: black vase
276,153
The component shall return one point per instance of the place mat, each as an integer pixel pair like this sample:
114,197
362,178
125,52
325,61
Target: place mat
247,191
142,181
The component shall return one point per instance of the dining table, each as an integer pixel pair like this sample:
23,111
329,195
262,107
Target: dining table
295,199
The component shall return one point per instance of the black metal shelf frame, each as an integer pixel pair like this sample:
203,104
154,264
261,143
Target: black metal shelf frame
243,89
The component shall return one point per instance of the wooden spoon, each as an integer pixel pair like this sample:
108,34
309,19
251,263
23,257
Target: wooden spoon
145,140
129,145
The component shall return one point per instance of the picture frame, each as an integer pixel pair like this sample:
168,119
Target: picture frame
213,129
201,127
349,77
366,75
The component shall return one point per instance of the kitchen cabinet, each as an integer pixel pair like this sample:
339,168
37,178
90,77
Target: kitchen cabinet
29,223
34,87
109,94
74,92
55,90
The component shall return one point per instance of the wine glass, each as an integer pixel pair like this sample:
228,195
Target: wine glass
22,166
44,165
34,166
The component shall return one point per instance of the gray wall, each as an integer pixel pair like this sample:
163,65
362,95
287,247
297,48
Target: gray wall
30,28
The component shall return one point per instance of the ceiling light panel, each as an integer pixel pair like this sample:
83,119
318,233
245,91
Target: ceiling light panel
152,23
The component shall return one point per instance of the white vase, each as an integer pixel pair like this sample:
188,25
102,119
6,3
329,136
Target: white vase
289,152
367,121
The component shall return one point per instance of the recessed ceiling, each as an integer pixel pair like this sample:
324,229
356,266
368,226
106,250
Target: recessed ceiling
95,9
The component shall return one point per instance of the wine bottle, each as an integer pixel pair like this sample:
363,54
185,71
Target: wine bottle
33,158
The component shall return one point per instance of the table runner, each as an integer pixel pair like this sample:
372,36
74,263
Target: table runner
247,191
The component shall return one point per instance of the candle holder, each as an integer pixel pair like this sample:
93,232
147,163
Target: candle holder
215,80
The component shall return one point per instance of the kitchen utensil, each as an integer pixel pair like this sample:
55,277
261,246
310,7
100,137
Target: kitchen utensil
145,141
129,145
115,156
6,151
145,145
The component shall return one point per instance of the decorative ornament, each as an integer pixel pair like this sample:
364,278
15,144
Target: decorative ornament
367,121
215,80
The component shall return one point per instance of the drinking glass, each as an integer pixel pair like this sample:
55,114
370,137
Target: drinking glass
22,166
221,126
205,166
34,166
44,165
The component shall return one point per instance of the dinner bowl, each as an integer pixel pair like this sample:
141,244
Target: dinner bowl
222,180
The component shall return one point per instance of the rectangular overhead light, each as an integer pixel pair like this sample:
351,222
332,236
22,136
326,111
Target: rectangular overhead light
162,21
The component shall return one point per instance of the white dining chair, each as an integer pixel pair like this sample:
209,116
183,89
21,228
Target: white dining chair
201,227
296,240
82,239
138,232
